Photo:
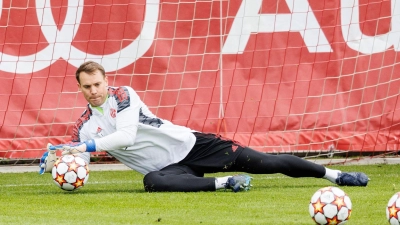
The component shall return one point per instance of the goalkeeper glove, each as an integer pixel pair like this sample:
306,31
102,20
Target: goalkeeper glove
47,161
76,147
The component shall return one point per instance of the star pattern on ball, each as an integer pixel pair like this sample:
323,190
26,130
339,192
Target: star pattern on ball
73,166
393,210
318,207
78,183
325,189
87,168
57,162
333,221
60,179
339,201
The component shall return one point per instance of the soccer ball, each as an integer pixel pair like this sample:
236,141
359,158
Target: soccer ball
393,209
70,172
330,205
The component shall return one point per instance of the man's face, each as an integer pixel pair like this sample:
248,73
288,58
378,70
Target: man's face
93,87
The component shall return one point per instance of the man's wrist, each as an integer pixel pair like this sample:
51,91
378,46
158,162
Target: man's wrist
90,145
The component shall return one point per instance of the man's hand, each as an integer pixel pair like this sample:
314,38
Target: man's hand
62,146
48,159
76,147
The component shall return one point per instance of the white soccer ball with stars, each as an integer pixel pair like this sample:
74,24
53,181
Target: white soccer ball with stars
393,209
330,205
70,172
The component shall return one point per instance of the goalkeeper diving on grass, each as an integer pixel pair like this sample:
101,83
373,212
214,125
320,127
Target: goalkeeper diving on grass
171,157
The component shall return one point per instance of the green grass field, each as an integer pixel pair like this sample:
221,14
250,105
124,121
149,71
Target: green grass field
117,197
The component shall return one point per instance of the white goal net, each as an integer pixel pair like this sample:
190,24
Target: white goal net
314,78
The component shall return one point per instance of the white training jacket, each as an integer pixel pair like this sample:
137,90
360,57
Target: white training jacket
132,134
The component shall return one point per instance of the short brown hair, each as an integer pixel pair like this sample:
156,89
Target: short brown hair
89,67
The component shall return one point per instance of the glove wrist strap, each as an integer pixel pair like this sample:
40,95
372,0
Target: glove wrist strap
90,145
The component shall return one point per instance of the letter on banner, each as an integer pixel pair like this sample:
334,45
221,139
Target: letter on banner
357,41
302,20
59,41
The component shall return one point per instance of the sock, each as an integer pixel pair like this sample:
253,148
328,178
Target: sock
331,175
220,182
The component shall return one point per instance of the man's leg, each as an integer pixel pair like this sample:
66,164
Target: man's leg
177,178
255,162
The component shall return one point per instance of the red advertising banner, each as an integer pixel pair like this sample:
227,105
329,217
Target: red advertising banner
279,76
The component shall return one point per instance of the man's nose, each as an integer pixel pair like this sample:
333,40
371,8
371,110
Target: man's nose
93,90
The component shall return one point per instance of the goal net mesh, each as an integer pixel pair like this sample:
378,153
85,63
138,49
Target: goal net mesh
319,79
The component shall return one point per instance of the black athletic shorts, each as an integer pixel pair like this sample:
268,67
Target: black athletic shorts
212,153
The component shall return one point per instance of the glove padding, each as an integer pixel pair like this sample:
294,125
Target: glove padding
76,147
48,159
62,146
